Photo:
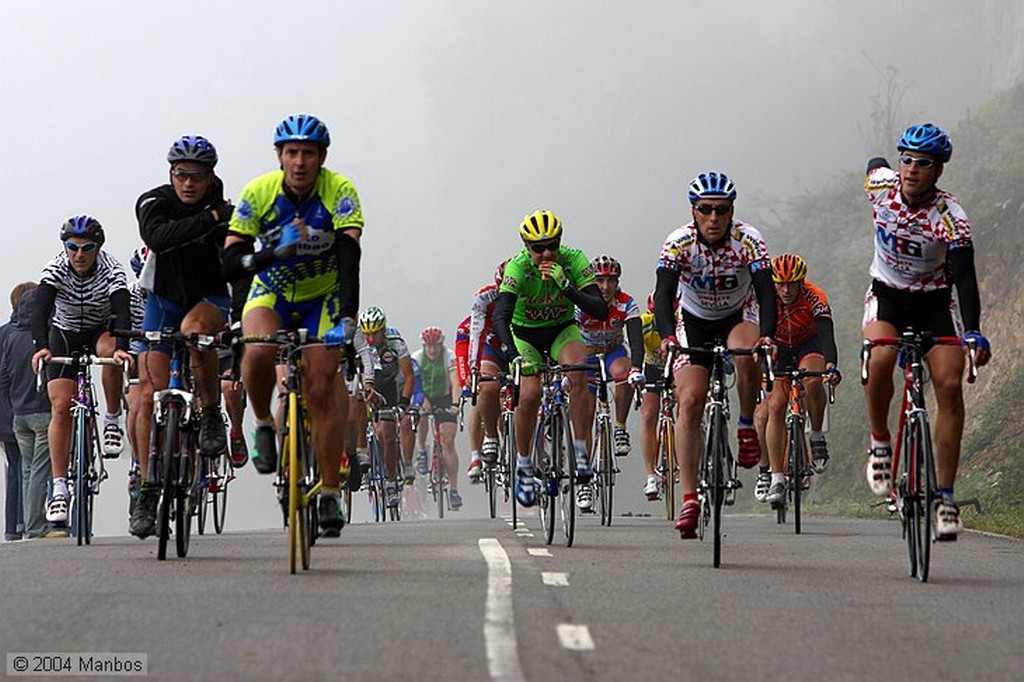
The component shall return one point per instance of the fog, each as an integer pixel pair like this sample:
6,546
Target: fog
454,119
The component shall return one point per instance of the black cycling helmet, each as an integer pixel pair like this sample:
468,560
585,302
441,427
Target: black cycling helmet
193,148
82,226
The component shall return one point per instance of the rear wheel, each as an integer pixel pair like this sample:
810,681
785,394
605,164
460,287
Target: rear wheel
220,496
203,493
490,486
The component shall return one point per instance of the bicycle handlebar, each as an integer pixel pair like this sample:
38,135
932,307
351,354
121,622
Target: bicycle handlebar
916,339
81,362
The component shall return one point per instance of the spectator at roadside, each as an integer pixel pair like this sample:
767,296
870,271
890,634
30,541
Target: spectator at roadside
31,418
14,518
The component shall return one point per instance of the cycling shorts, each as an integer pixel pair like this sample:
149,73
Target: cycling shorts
695,332
162,313
442,402
788,358
534,342
316,315
609,358
64,343
931,311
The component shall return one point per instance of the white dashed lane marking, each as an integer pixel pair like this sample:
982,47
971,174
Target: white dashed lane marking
538,551
555,579
575,637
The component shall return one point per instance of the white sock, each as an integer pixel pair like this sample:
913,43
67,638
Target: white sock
875,443
111,418
778,478
475,455
523,462
60,487
817,435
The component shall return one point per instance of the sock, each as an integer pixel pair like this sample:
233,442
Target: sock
620,425
778,478
880,441
746,422
333,492
945,493
111,418
475,455
523,462
580,446
269,421
60,487
817,435
689,497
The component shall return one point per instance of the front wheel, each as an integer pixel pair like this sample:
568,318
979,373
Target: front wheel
167,444
566,472
666,456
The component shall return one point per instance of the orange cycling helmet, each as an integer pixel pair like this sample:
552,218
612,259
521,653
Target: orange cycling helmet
788,267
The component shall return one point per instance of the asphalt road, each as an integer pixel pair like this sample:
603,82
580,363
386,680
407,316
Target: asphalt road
469,599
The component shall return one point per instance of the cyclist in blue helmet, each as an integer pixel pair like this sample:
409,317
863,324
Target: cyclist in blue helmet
183,224
79,291
923,248
308,221
719,269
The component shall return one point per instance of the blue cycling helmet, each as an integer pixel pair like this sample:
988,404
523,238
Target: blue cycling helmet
926,138
302,128
82,226
193,148
139,259
712,185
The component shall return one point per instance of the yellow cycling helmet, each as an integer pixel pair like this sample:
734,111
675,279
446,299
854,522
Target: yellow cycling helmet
540,226
372,320
788,267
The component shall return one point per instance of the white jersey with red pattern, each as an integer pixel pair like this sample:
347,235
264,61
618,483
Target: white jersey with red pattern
462,352
481,320
714,282
601,336
911,243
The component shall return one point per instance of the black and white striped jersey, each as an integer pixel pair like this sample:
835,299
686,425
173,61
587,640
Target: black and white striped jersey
83,301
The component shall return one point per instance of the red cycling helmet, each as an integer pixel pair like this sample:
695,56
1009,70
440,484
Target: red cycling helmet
606,266
431,335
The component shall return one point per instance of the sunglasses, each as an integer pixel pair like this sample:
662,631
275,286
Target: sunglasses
541,247
919,162
718,209
183,175
87,247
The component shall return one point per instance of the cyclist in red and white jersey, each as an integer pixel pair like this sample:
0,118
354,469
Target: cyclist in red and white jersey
721,269
608,336
483,355
806,339
923,247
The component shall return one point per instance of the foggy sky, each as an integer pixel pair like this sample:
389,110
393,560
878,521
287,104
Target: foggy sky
454,119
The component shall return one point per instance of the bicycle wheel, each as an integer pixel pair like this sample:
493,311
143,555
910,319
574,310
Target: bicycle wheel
666,456
508,457
220,496
437,478
608,464
920,496
565,459
80,489
186,491
543,465
798,453
203,494
490,487
310,479
167,444
716,484
290,456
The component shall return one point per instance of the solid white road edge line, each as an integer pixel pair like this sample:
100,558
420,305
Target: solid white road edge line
499,621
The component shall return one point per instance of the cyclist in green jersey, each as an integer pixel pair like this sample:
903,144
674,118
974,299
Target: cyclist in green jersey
534,314
308,222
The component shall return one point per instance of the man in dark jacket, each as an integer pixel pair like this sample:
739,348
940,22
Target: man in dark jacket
31,410
14,519
184,224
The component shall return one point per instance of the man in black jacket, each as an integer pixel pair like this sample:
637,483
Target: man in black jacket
31,415
183,223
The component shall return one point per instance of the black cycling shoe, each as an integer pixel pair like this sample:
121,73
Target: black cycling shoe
143,521
332,520
265,456
213,437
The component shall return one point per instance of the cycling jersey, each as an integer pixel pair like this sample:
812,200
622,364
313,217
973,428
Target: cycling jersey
798,322
714,282
602,336
388,354
435,373
652,340
264,210
540,302
481,323
83,302
912,242
462,352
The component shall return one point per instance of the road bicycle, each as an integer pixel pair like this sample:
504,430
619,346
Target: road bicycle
798,463
914,496
603,452
298,481
500,474
667,469
717,481
85,470
554,456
